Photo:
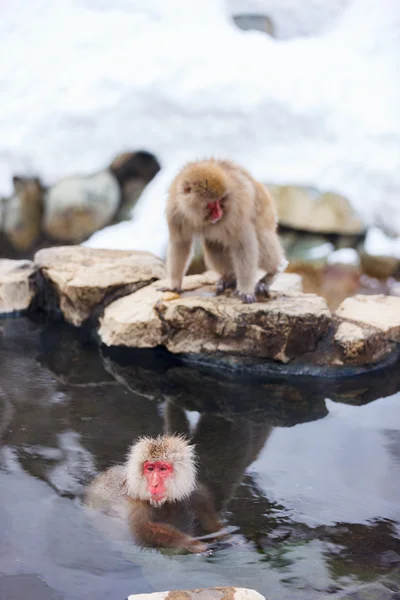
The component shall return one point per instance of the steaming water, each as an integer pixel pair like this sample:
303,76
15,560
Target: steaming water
308,476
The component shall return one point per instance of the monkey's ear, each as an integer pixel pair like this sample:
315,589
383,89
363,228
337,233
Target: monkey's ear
187,189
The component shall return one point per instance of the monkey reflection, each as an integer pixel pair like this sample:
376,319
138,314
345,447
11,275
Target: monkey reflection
225,448
158,492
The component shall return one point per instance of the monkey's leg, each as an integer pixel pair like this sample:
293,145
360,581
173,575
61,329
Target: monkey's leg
179,253
271,260
219,259
245,261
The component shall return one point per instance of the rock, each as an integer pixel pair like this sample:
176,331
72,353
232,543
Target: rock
199,322
133,170
217,593
23,213
287,283
76,207
16,289
378,313
254,22
307,209
361,345
85,279
380,254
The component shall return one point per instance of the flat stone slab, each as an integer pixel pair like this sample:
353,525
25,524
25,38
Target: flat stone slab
379,313
85,279
16,289
279,328
360,345
217,593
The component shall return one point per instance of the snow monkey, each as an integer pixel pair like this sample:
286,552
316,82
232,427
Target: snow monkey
157,489
234,216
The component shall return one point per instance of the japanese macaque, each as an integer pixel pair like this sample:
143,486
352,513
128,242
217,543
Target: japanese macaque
235,218
158,492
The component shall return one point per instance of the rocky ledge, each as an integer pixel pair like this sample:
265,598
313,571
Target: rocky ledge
118,294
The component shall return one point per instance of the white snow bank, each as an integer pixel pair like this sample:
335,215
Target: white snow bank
86,79
378,244
344,256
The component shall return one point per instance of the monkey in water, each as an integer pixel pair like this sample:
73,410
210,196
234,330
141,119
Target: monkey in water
219,202
157,490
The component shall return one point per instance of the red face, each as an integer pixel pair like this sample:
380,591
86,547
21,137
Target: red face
157,473
216,211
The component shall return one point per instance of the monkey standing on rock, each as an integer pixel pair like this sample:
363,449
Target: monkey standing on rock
235,217
156,489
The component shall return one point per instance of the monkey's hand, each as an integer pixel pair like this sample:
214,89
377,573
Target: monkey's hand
246,298
195,546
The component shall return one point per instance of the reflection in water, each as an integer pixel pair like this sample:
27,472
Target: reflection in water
312,495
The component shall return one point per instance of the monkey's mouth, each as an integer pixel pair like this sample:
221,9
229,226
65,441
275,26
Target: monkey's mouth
215,211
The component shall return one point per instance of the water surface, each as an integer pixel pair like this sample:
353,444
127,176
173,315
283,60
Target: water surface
306,473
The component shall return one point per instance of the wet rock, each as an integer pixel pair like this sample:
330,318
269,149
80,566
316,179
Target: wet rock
86,279
217,593
197,321
22,213
16,288
76,207
377,313
307,209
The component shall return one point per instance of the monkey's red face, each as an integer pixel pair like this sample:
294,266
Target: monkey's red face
216,210
156,474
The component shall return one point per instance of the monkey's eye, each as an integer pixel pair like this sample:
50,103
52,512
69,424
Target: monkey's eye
150,469
163,468
187,189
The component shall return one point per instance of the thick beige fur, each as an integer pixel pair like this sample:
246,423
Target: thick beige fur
172,448
243,240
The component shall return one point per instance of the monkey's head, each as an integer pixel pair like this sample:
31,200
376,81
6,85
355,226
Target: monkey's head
204,191
161,469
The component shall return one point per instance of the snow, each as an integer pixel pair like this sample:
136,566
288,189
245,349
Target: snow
87,79
378,244
344,256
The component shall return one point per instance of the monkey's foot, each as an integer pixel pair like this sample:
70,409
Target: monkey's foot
165,288
224,284
246,298
262,288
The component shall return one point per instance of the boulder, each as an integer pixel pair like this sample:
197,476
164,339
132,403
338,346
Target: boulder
377,313
85,280
133,170
307,209
22,220
361,345
76,207
380,254
16,289
217,593
198,322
